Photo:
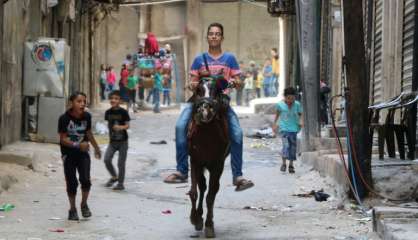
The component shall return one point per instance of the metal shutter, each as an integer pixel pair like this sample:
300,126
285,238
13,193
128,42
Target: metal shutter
377,90
407,45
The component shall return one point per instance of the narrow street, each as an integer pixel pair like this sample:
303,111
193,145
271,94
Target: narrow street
267,211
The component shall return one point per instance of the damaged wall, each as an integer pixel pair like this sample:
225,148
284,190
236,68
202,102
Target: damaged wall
30,19
244,35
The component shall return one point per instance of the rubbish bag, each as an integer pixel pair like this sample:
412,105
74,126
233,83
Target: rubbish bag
101,128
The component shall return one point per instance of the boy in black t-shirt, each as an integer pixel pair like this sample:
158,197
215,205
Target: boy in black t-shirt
118,122
74,128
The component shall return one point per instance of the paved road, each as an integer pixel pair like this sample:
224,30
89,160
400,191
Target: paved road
137,212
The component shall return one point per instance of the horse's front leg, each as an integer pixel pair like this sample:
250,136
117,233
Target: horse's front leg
193,193
202,188
210,202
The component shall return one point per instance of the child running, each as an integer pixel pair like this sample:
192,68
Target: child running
118,122
74,128
289,114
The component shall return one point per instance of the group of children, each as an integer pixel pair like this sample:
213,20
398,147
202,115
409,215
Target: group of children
74,128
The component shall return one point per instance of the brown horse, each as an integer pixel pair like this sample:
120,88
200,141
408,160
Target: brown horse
208,148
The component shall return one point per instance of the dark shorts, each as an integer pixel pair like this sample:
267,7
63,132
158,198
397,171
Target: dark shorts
79,163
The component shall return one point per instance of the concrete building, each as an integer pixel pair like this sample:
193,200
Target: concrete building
73,20
250,32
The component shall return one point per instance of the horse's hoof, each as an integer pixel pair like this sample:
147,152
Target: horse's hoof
210,232
199,224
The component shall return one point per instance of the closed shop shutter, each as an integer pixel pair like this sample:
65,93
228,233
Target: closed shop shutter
408,45
377,89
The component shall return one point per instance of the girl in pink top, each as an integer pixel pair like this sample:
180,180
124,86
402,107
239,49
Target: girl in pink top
111,78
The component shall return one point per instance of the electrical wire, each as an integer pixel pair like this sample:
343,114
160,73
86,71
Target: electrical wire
342,158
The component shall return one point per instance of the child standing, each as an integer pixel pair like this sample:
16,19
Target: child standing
248,86
110,78
132,87
158,87
103,81
74,128
290,121
118,122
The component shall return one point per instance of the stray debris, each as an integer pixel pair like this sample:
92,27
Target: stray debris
58,230
254,208
265,132
101,128
194,236
319,196
7,207
159,142
54,218
166,212
364,220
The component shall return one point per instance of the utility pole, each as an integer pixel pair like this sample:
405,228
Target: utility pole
1,73
358,90
308,26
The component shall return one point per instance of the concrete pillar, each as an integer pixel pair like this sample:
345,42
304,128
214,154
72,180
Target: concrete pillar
194,28
144,20
283,58
1,73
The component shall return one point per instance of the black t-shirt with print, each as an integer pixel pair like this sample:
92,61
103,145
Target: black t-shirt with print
76,129
114,117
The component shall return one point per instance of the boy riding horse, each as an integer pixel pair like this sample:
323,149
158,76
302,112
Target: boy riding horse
226,64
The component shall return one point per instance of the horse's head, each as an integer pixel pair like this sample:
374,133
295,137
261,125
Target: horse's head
205,110
208,101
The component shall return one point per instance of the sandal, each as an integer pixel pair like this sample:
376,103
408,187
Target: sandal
291,169
243,184
283,168
176,178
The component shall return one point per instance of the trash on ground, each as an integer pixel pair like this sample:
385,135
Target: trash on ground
166,212
7,207
58,230
186,186
194,236
101,128
365,219
54,218
159,142
2,217
319,196
265,132
254,208
257,145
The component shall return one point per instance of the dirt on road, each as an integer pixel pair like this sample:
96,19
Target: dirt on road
150,209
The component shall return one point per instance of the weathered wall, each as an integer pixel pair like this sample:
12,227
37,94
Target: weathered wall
169,19
250,32
122,33
11,85
25,20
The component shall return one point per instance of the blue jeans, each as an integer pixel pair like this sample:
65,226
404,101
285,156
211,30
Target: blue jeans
156,99
267,89
235,134
289,145
166,97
